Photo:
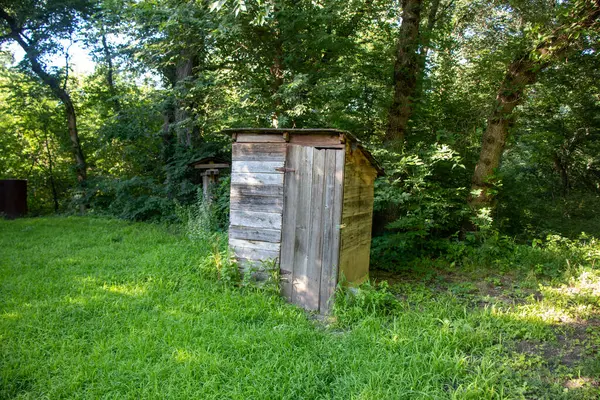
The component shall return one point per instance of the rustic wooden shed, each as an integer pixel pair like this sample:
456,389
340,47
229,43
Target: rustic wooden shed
304,198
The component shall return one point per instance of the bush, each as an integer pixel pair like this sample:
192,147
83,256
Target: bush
135,199
421,198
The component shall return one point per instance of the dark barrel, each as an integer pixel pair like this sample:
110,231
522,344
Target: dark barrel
13,198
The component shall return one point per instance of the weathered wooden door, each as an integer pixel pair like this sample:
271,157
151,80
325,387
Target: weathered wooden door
311,225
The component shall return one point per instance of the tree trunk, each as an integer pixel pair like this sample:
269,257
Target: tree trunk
167,134
60,92
184,128
405,73
520,74
425,40
562,169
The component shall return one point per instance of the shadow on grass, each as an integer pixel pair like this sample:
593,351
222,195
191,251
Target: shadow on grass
551,331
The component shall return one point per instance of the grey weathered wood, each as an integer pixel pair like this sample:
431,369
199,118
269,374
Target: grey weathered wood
242,190
344,137
288,234
258,151
303,221
315,237
257,179
257,166
316,140
254,244
260,138
255,219
328,199
310,237
249,233
258,255
332,198
257,203
336,223
210,166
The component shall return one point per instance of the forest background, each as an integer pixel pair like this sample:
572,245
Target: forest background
484,114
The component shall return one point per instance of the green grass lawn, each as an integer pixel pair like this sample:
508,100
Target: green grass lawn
95,308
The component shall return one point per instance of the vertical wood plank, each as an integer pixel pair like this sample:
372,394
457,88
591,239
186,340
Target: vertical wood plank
315,237
303,220
336,220
288,234
328,231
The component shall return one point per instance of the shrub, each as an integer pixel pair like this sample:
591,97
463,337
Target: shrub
421,198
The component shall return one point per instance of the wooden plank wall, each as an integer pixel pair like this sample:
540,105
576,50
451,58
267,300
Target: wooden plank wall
357,216
256,200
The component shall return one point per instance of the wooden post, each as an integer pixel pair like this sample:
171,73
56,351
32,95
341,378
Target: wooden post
209,179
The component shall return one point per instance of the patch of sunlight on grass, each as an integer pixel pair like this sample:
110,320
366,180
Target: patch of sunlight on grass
10,315
183,356
580,382
125,289
542,311
79,300
564,304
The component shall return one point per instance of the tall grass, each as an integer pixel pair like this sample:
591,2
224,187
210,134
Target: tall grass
96,308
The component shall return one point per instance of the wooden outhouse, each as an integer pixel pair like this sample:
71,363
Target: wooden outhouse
304,199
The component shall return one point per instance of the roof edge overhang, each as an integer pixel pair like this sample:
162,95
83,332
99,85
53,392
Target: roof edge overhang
310,131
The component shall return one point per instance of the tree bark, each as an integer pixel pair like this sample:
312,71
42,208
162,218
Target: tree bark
52,82
184,129
167,134
405,73
563,171
425,40
520,74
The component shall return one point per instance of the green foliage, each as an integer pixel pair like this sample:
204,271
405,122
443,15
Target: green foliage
202,219
136,199
422,197
220,264
33,142
553,257
354,304
552,169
